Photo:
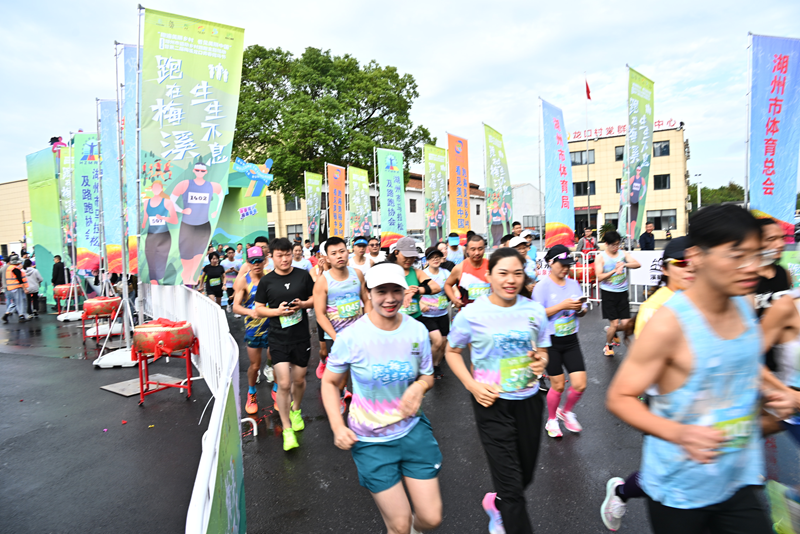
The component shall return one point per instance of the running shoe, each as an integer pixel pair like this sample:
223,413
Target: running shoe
613,507
296,417
269,374
252,404
289,440
229,308
236,315
615,341
570,421
608,351
495,520
344,396
321,369
275,396
437,372
5,317
553,428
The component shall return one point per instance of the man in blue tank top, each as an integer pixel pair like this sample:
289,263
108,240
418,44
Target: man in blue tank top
702,462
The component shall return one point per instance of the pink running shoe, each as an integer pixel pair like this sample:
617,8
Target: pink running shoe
495,520
320,369
570,421
345,395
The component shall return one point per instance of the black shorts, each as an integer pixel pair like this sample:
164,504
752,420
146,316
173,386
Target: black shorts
565,353
615,305
215,291
441,323
229,291
296,354
193,240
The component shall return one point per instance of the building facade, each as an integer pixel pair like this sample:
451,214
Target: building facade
17,211
528,206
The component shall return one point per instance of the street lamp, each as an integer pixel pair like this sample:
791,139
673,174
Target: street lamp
699,192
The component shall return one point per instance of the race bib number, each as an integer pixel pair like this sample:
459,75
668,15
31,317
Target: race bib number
438,302
155,221
411,309
214,281
348,306
515,373
478,290
565,326
737,432
291,320
199,198
618,279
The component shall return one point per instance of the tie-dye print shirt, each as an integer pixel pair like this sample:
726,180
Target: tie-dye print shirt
382,365
501,338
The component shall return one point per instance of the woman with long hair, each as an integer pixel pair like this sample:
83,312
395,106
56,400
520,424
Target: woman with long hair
159,210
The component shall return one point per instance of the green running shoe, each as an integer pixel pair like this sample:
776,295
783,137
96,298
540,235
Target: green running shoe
289,440
296,416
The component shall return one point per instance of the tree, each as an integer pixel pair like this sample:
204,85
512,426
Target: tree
302,112
732,192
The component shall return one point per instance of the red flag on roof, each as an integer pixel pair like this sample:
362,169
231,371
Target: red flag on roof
588,94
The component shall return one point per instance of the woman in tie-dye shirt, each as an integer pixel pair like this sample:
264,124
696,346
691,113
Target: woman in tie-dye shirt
388,355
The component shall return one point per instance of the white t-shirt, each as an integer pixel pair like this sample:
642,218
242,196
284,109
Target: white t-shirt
364,267
306,252
381,257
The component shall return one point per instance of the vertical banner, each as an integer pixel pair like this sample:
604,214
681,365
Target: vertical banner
637,156
313,204
45,213
86,182
393,195
336,201
435,188
132,81
559,208
775,129
66,203
109,164
499,197
191,73
458,167
360,210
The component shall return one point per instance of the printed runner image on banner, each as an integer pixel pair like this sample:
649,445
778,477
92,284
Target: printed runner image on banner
191,74
45,213
393,195
458,167
498,187
775,129
313,204
360,211
336,202
86,185
637,156
558,205
435,162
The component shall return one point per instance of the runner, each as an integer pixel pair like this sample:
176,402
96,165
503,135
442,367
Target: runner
298,260
256,328
389,358
316,273
434,309
454,251
211,278
528,235
375,252
405,254
239,254
613,280
359,260
508,333
467,281
262,242
522,246
15,284
286,293
232,267
159,210
702,458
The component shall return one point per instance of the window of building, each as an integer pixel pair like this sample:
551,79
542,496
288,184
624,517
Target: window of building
412,205
477,209
619,184
662,219
293,230
292,203
661,181
579,157
269,203
612,217
373,203
660,148
271,232
579,188
619,152
532,221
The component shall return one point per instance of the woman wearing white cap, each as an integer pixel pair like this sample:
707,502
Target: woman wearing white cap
405,254
390,364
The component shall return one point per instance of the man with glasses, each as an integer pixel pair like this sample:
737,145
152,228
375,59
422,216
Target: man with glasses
612,276
375,252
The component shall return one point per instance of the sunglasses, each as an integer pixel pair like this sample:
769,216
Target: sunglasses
677,263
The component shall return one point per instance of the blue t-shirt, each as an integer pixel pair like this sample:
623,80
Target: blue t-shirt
530,269
302,264
501,338
548,294
382,365
532,252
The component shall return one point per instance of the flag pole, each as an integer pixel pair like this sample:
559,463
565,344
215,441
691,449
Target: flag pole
747,138
588,183
541,212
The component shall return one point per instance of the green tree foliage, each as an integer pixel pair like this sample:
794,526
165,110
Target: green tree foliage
732,192
317,108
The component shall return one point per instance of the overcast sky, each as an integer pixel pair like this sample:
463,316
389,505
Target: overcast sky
474,62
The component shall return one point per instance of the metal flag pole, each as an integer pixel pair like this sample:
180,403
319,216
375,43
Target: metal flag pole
747,138
588,182
488,211
377,192
139,287
541,212
327,200
626,172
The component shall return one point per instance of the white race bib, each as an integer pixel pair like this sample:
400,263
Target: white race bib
155,221
198,198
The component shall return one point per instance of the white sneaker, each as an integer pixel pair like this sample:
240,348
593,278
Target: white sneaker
229,308
553,428
570,421
269,374
236,315
613,508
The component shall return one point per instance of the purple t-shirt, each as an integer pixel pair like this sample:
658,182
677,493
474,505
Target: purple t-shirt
548,294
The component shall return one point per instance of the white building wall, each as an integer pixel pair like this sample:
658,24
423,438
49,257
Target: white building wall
528,201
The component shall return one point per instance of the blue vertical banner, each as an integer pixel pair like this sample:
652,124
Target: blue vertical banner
775,129
128,132
109,165
559,206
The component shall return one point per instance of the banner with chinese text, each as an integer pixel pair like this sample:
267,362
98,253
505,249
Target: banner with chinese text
458,175
360,210
45,214
559,209
336,203
393,195
775,129
86,186
132,81
435,188
109,165
191,73
499,197
637,156
313,204
67,205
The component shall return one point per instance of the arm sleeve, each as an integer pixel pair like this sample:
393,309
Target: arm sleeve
340,357
461,333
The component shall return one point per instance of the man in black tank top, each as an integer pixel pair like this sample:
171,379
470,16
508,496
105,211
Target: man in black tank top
774,281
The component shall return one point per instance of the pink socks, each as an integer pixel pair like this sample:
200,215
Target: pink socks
553,400
572,398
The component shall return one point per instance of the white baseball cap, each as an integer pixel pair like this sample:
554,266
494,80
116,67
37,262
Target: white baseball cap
526,233
322,249
385,273
519,240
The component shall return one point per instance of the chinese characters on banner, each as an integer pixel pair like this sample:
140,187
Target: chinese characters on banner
637,155
86,185
336,201
132,82
559,208
458,165
620,129
67,205
435,162
360,210
499,197
109,164
313,203
191,73
774,129
393,195
247,211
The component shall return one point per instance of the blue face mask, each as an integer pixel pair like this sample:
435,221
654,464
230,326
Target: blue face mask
453,241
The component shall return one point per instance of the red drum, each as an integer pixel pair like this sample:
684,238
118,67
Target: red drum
576,272
163,337
62,292
101,306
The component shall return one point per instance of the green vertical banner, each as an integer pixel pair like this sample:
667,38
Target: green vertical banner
393,195
360,211
86,191
435,189
637,156
313,204
191,74
45,214
499,197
